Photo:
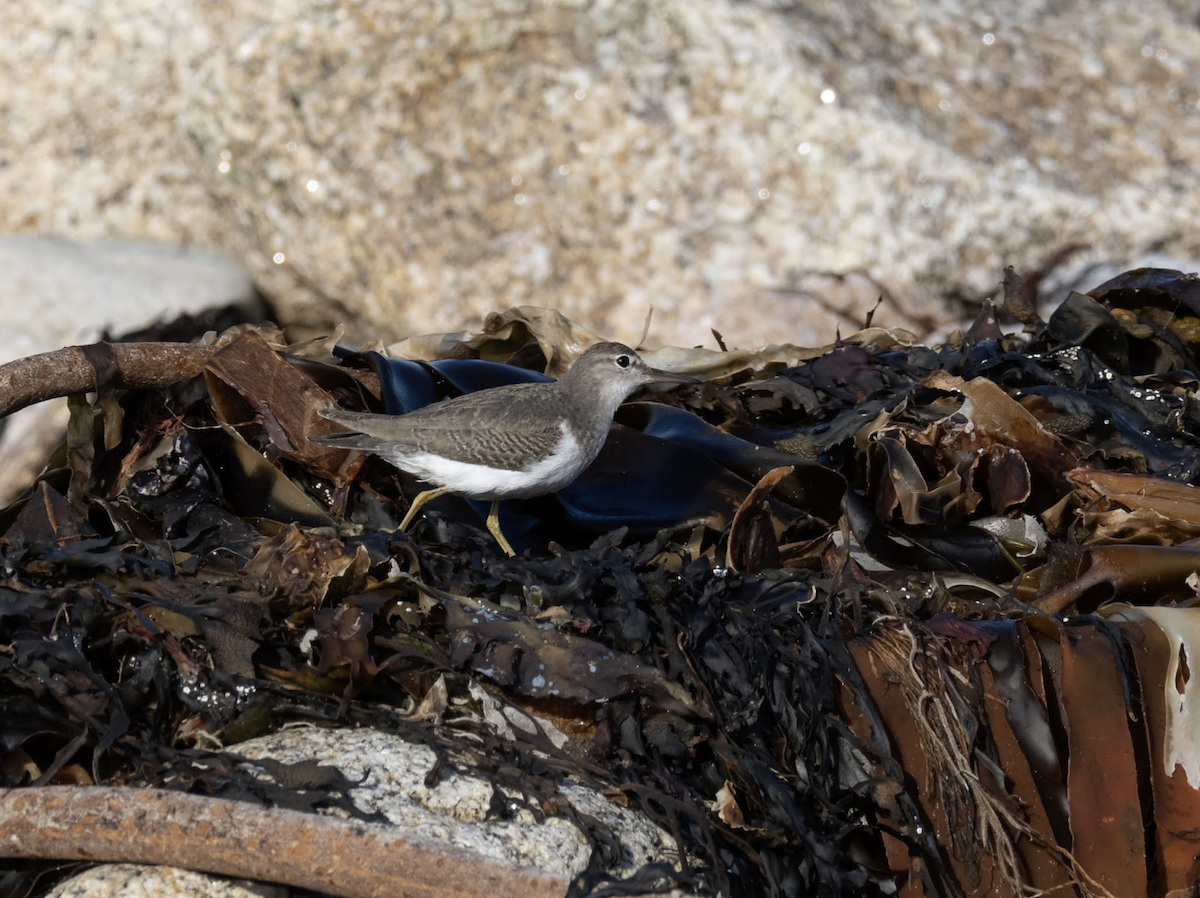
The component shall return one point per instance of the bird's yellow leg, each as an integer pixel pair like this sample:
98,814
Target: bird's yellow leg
417,503
493,525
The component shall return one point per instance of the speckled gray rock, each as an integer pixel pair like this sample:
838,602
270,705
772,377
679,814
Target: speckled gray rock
413,168
390,774
454,813
136,881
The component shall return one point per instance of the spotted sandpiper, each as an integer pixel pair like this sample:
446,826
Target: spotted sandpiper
510,442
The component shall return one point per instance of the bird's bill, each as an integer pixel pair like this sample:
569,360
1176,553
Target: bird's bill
670,377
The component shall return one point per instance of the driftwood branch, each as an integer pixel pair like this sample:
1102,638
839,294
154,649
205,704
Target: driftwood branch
62,372
346,858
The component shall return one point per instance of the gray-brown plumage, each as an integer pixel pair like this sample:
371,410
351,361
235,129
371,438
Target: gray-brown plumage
508,442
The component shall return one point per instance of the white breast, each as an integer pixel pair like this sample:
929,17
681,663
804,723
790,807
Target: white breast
547,475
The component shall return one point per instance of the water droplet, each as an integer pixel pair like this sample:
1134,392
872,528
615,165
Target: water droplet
312,186
223,168
519,199
804,148
989,38
516,180
653,205
279,258
564,169
828,95
763,193
580,94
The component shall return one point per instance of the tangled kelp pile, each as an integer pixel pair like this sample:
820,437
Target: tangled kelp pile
874,619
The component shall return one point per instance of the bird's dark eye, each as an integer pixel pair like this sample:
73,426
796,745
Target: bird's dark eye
624,361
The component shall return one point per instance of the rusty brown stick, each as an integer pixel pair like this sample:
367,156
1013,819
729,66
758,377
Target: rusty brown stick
62,372
345,858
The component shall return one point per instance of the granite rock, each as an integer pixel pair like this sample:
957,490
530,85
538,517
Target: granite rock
411,168
455,814
138,881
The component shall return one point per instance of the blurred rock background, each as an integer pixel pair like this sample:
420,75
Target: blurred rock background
764,167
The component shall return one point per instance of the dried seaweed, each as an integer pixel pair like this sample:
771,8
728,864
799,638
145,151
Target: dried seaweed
828,620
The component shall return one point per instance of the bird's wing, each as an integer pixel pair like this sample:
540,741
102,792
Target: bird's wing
501,431
354,439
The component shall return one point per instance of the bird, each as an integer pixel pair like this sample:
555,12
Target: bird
509,442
